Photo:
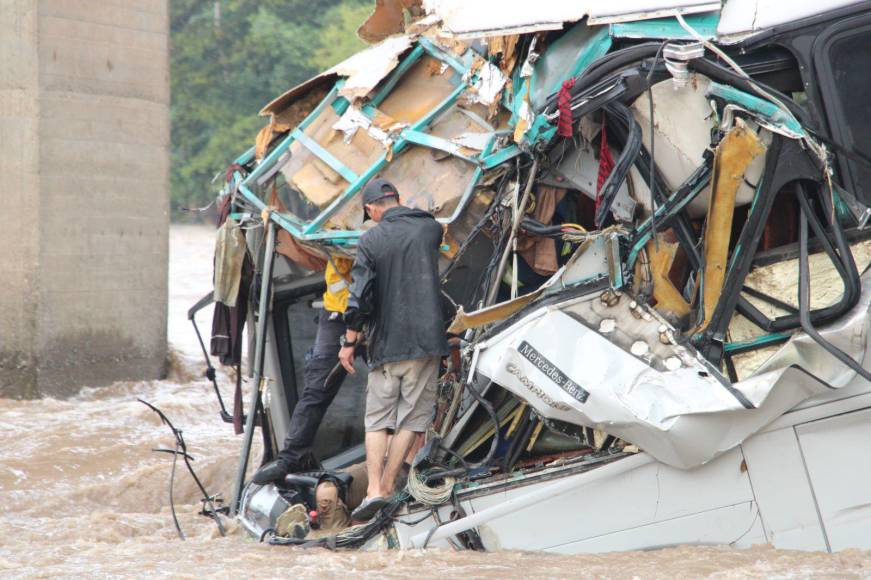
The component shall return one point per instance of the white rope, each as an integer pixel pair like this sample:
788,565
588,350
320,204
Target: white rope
426,494
818,149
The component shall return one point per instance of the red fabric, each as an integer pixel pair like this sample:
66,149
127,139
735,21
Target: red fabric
228,174
606,164
564,102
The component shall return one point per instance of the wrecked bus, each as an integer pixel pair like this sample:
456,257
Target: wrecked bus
655,251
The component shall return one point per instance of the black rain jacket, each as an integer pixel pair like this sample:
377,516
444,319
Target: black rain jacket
396,288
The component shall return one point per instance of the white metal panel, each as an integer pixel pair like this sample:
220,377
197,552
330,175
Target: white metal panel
853,397
649,494
783,491
839,464
632,10
742,16
486,17
409,525
737,525
497,17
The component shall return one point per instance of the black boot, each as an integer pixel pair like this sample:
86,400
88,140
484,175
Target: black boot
306,461
272,471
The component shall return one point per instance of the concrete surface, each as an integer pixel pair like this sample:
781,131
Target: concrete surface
84,154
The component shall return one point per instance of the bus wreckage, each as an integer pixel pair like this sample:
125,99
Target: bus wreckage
655,254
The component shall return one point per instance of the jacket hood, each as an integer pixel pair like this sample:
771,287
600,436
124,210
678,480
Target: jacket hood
402,211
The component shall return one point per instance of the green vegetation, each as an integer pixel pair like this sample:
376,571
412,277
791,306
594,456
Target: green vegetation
231,57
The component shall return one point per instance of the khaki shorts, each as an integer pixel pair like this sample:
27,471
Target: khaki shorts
402,395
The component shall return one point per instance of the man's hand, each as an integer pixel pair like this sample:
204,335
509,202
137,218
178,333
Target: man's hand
346,357
454,363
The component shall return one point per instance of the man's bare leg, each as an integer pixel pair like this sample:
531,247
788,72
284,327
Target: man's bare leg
415,447
376,448
399,447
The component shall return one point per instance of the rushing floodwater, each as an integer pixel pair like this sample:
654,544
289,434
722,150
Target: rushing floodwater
82,494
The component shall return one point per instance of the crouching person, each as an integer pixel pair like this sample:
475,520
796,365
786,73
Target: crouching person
395,292
321,500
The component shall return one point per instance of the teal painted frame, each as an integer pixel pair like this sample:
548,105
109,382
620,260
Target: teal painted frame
660,214
541,129
668,28
413,135
758,342
771,113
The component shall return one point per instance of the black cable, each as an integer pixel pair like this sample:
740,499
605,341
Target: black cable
606,65
429,535
522,436
356,537
456,456
840,256
170,451
473,538
688,191
599,100
211,375
785,306
497,434
804,304
627,158
497,439
650,182
182,448
537,228
499,248
415,522
495,206
171,499
730,368
493,216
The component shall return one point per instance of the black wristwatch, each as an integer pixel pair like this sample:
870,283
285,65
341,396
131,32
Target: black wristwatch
345,342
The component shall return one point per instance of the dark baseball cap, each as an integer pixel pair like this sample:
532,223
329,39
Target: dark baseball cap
376,189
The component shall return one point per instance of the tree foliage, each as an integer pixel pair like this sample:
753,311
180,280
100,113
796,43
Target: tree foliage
231,57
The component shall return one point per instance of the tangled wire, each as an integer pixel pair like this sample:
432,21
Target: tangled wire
426,493
181,449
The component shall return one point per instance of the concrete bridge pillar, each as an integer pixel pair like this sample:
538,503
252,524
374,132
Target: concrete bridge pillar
84,165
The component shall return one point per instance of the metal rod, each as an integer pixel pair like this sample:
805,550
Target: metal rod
509,247
210,372
262,323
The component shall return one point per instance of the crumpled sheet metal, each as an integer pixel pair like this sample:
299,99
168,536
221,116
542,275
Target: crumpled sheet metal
849,333
387,19
367,68
578,167
490,83
353,119
483,18
364,70
683,416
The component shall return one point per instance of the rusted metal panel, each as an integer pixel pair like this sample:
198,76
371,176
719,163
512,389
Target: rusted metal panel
734,155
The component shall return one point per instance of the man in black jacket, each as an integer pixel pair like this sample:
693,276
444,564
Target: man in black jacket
396,293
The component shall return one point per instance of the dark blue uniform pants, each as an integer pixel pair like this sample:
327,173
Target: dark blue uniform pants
316,398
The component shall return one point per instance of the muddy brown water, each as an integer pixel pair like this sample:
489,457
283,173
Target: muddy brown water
83,495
